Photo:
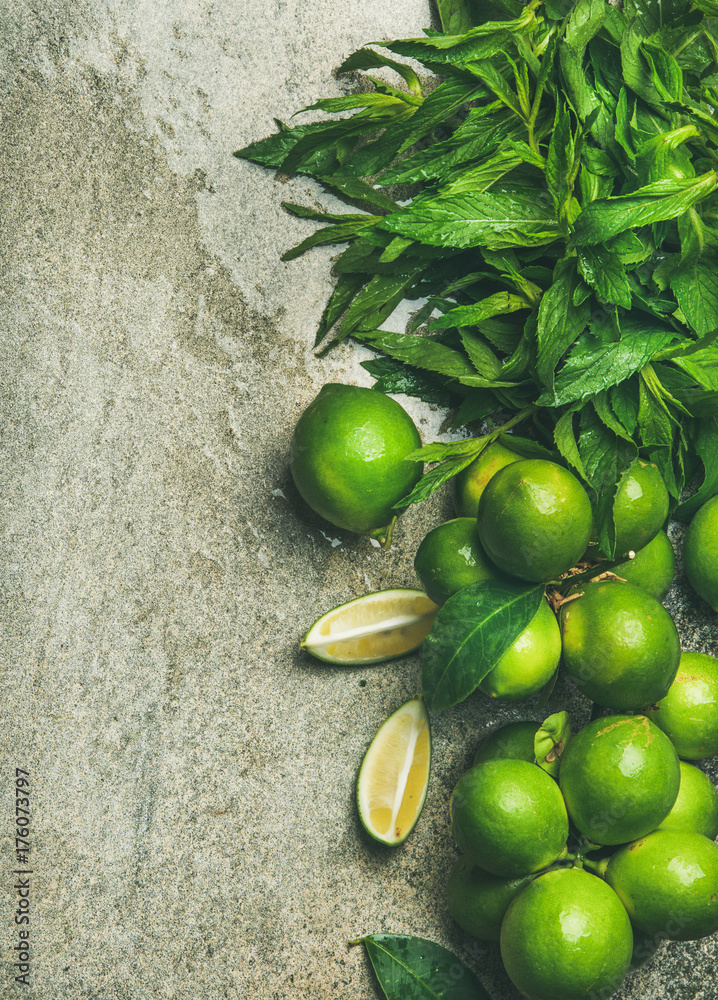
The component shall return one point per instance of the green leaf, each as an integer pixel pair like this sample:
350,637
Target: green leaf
412,968
393,377
562,164
655,202
706,448
605,456
560,321
377,300
432,480
344,291
565,438
498,304
331,234
441,103
604,271
493,220
455,16
368,59
470,633
695,285
593,367
480,354
551,740
421,352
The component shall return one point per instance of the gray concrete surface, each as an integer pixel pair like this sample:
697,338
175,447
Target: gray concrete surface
191,774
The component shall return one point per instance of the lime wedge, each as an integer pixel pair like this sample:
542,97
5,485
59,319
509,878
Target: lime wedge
372,628
394,775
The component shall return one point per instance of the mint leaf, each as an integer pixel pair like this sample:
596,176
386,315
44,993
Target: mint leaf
606,273
695,285
494,220
706,447
560,321
593,367
601,220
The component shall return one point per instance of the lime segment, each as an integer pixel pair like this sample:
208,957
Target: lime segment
394,775
372,628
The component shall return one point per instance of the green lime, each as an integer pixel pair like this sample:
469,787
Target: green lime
530,661
470,482
566,936
696,808
514,740
701,552
478,900
640,508
509,817
688,713
534,519
450,557
652,568
620,645
348,457
668,882
619,776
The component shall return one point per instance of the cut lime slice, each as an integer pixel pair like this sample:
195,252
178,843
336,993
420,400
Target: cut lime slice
394,775
372,628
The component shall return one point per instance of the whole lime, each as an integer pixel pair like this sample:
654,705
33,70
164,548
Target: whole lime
696,808
620,645
534,519
471,481
514,740
620,777
566,936
348,457
478,900
668,882
640,507
701,552
450,557
688,713
652,568
509,817
530,661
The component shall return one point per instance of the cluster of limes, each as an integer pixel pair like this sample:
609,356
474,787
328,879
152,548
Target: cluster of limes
580,878
581,871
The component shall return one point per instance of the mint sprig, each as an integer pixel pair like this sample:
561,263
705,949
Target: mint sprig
563,230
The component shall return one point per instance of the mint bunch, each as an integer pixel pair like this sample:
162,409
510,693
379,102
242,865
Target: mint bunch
562,235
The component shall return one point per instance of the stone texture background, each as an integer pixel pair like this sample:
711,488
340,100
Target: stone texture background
194,833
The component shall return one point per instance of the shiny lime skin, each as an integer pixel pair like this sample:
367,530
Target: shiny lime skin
566,936
619,777
450,557
530,661
688,714
478,900
640,508
653,567
534,519
348,456
696,808
701,552
509,817
471,481
620,645
514,740
668,882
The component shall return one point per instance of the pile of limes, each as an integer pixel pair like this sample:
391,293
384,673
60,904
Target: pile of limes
581,878
580,861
